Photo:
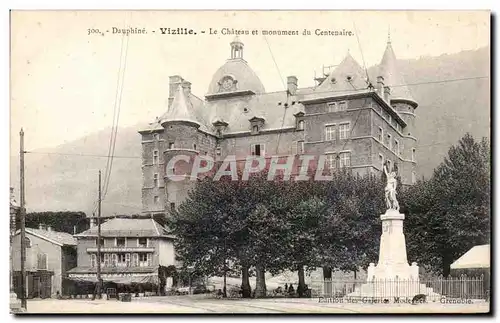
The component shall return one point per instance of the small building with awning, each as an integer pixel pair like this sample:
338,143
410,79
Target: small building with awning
132,252
477,258
474,264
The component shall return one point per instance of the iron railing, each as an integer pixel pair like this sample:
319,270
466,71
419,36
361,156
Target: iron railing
462,287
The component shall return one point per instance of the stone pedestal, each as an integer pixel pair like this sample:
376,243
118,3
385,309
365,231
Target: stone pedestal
392,261
392,278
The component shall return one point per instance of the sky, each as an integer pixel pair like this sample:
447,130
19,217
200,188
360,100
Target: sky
64,81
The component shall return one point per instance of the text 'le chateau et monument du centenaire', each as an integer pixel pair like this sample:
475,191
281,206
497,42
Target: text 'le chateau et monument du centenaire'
222,31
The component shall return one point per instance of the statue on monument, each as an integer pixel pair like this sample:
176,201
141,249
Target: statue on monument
390,189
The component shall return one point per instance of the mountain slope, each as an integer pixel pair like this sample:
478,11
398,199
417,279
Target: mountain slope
446,111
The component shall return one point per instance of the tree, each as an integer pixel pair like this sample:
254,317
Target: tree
62,221
450,213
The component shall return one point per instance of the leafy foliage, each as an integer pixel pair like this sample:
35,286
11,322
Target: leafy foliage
450,213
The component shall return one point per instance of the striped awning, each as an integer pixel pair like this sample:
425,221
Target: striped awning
118,278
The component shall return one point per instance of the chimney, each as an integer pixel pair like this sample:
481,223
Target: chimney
173,83
186,86
387,94
92,222
380,86
74,229
292,84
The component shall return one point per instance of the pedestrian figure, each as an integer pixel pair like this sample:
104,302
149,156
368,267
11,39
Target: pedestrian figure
286,287
291,290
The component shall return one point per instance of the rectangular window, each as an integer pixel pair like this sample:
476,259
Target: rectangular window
106,260
142,242
172,206
156,136
127,259
93,260
389,165
156,199
300,146
389,141
332,107
394,123
114,260
42,261
331,161
155,157
380,134
155,179
135,260
344,131
170,145
330,132
149,258
257,150
413,154
300,125
342,106
381,160
413,178
121,260
345,159
120,242
389,118
396,147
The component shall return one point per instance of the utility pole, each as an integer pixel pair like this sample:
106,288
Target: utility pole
22,216
99,285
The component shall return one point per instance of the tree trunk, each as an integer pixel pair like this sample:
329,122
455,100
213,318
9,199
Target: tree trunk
447,261
327,272
245,283
327,281
224,291
260,282
302,282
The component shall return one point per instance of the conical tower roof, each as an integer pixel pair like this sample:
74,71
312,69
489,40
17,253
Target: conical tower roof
347,76
181,109
393,78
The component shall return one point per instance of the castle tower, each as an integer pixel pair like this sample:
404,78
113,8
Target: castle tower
399,97
181,142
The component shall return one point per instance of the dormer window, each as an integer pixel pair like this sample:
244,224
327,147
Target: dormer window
220,126
299,120
256,123
300,125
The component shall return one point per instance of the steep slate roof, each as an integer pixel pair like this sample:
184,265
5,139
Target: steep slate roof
181,109
392,77
240,70
265,106
338,80
59,238
125,227
347,78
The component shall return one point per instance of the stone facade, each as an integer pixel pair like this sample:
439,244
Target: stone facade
356,123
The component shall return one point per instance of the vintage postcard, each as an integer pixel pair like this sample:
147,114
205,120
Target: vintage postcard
250,162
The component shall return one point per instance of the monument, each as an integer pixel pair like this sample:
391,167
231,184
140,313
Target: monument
392,277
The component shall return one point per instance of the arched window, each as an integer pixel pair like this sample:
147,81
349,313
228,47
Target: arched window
300,125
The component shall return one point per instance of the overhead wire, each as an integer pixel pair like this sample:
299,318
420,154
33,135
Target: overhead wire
285,87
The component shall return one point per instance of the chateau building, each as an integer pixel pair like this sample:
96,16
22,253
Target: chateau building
356,122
